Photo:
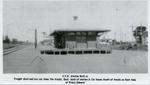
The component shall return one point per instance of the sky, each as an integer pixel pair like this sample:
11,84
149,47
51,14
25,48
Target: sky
22,17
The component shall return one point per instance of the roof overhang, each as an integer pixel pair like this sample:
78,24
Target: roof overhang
80,30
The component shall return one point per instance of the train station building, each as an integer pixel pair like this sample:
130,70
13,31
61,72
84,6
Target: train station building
77,38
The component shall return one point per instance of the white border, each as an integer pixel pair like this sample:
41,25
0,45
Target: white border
8,78
1,37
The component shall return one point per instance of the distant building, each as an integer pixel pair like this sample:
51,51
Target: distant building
48,41
76,38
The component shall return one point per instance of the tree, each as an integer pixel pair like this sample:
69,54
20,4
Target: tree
6,40
139,33
59,40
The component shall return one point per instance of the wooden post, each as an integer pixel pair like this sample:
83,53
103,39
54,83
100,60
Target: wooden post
87,39
76,39
35,38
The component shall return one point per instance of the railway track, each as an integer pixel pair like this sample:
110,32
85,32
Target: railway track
14,49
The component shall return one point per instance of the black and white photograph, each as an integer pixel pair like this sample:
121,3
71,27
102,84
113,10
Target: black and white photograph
75,36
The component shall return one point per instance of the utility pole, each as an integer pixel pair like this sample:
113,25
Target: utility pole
35,44
115,36
120,34
125,37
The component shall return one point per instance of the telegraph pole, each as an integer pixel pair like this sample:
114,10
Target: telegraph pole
132,32
125,37
115,36
120,34
35,44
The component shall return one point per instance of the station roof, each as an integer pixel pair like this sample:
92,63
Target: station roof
80,30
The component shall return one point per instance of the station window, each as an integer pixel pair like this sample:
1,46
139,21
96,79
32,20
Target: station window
83,33
78,33
71,33
81,39
91,33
